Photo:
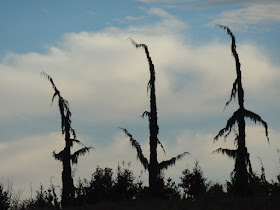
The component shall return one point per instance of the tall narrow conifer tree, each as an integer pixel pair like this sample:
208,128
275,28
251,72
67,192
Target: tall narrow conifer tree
242,172
153,166
65,156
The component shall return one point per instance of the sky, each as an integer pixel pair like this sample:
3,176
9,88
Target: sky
84,46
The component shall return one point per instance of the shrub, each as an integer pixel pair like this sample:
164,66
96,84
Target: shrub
5,198
193,183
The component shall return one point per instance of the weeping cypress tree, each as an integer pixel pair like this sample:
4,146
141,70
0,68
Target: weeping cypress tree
153,166
242,173
65,156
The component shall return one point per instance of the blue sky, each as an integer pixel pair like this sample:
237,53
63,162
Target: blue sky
84,46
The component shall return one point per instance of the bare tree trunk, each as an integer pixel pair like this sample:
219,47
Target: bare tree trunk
241,176
68,189
154,173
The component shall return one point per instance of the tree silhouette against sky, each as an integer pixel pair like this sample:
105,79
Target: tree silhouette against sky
241,176
153,166
65,156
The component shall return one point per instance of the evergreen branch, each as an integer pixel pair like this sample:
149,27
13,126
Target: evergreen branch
256,118
75,155
137,45
73,133
58,156
56,91
229,32
166,164
76,141
63,105
146,113
151,65
248,163
230,123
229,152
138,148
233,93
161,146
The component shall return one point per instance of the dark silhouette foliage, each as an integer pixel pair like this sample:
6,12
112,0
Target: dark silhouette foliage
104,187
154,168
101,186
171,190
193,183
242,173
125,186
65,156
5,198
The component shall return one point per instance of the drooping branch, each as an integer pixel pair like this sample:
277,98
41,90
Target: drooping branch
162,147
248,163
230,123
229,152
151,65
146,114
167,163
56,91
256,118
77,154
59,156
138,148
233,93
63,105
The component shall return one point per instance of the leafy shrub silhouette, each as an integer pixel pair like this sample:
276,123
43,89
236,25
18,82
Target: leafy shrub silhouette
125,186
101,185
104,187
5,198
193,183
216,191
44,199
171,190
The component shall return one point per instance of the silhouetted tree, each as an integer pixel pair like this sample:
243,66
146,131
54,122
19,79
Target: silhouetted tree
193,183
101,186
5,198
65,156
241,176
171,190
152,166
125,187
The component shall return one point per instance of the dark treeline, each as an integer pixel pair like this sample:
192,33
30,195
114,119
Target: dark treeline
122,190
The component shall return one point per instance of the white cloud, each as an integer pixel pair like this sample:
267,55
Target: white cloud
264,13
29,160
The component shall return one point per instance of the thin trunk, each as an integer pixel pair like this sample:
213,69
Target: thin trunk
154,168
153,127
68,189
241,175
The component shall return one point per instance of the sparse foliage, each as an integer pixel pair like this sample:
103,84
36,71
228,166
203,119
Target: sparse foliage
154,168
241,175
65,156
